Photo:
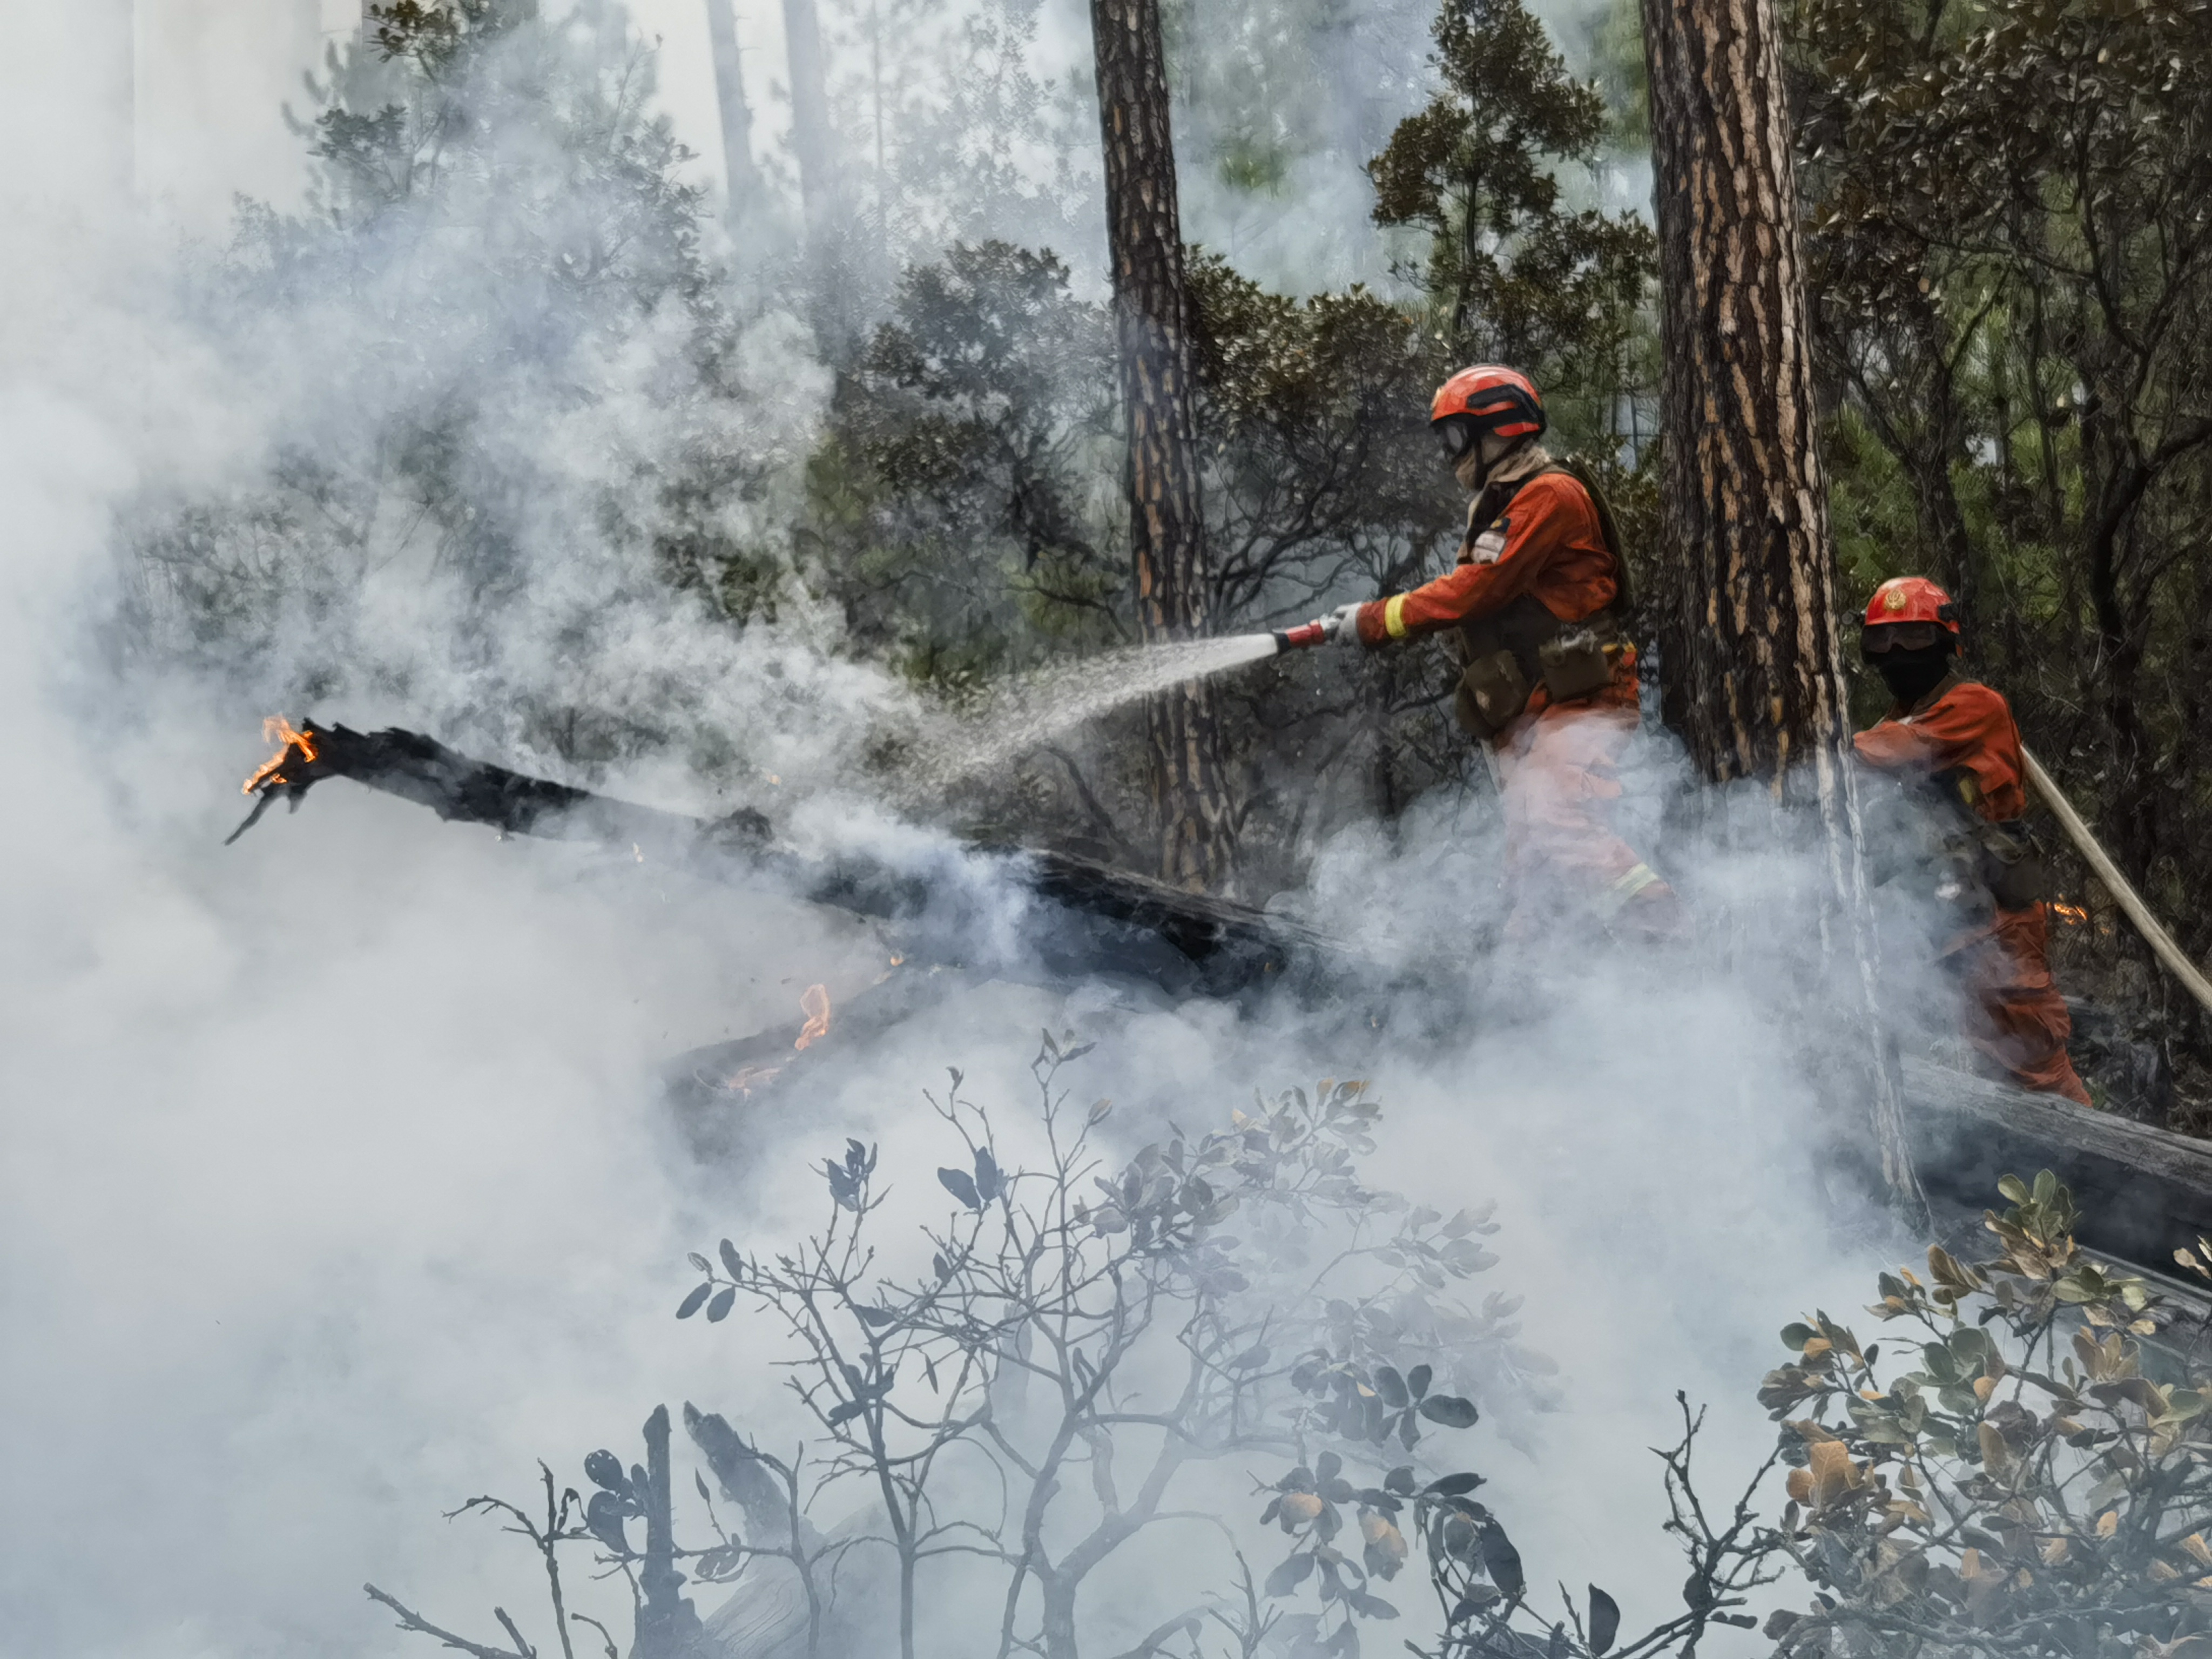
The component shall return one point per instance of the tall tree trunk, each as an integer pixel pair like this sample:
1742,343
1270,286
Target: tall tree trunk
823,201
810,118
1752,640
1144,232
744,192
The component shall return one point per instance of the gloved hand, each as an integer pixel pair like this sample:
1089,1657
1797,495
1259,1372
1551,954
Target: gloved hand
1343,624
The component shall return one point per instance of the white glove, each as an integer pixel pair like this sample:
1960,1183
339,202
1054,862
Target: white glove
1343,624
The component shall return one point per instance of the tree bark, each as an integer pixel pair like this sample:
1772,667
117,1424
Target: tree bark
1093,919
737,117
1751,640
810,118
1755,636
1170,574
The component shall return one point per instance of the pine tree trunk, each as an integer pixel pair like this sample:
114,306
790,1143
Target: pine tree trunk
809,116
1751,644
1170,575
1754,635
737,123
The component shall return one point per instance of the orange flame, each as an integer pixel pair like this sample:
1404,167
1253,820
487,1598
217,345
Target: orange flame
278,730
2072,915
816,1005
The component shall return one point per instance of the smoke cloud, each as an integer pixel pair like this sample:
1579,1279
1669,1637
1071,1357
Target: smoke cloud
340,1182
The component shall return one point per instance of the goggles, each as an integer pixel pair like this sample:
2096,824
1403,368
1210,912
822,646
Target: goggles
1456,433
1880,637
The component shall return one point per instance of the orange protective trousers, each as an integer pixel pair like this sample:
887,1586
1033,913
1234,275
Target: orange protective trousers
1558,774
2018,1019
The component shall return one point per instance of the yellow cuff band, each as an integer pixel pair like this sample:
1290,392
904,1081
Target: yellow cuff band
1394,615
1626,887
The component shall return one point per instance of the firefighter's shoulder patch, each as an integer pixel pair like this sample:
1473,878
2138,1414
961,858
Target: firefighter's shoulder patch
1486,547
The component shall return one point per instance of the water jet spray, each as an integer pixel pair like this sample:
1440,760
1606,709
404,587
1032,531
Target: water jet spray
1026,713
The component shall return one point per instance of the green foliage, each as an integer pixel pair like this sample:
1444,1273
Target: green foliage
1271,94
1315,416
966,494
480,107
2025,1472
503,364
955,494
1076,1312
1616,51
2012,271
1522,279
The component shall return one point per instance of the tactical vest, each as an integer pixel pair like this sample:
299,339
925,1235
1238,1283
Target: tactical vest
1508,652
1986,863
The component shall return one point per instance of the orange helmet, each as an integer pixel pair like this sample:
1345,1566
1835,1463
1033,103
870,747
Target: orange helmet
1911,599
1486,399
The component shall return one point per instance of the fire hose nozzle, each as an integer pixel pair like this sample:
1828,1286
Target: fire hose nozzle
1295,639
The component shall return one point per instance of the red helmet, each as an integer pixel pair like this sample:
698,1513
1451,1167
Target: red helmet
1911,599
1488,398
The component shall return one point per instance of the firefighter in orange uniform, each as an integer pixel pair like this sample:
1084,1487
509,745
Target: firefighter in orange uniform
1957,738
1535,609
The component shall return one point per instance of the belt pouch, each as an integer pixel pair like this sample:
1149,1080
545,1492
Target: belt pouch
1492,693
1574,665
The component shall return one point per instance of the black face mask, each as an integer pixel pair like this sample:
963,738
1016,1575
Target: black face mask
1911,675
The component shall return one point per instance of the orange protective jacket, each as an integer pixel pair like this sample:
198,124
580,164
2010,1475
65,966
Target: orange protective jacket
2022,1021
1961,726
1544,539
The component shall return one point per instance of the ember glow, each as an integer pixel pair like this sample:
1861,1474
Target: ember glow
2072,915
816,1003
278,730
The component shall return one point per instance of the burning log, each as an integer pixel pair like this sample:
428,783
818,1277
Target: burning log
2146,1190
1089,918
815,1007
455,787
269,774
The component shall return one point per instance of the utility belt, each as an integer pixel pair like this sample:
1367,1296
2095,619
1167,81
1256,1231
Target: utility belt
1970,866
2005,862
1510,653
2002,860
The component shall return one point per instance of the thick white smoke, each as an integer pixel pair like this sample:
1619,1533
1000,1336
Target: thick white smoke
339,1185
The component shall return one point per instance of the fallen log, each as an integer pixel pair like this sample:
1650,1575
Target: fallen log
2143,1192
1085,918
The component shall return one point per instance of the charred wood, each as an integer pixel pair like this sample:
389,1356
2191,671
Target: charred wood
1082,916
2143,1192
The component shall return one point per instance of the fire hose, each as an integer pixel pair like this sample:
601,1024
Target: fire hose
2101,863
